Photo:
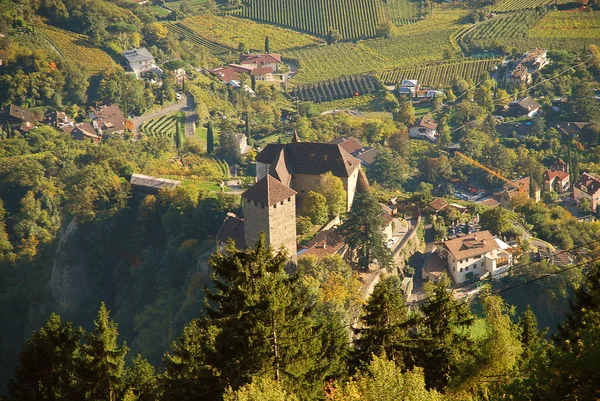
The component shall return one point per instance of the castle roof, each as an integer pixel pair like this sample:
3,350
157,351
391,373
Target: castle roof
232,227
311,158
268,191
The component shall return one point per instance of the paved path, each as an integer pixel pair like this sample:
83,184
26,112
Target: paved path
185,104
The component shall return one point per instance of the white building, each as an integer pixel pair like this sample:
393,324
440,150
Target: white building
472,256
424,128
140,61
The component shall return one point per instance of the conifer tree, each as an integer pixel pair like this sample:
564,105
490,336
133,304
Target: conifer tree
363,230
382,323
210,139
267,45
267,327
48,363
444,342
531,337
141,380
103,360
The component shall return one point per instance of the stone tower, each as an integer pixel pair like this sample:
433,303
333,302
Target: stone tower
270,207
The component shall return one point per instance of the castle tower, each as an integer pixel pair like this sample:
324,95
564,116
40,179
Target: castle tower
270,207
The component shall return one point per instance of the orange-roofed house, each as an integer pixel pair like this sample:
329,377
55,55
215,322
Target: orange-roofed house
587,186
557,181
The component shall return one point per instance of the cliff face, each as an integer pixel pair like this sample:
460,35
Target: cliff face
69,277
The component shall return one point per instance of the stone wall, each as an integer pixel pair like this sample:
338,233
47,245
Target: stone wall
350,187
282,226
256,220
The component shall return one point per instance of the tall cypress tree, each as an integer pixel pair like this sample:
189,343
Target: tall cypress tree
210,140
363,230
267,45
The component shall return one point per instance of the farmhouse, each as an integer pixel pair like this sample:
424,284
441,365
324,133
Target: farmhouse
526,106
17,118
254,61
424,128
469,257
262,73
529,64
139,61
587,187
108,120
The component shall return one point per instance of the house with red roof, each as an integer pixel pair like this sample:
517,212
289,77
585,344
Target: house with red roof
261,60
587,187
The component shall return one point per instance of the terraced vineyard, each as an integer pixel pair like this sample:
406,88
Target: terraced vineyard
228,32
354,19
402,12
77,49
440,75
335,89
191,36
161,126
514,25
516,5
415,44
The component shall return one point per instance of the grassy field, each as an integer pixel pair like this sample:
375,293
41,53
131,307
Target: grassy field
77,49
415,44
441,74
230,31
402,12
354,19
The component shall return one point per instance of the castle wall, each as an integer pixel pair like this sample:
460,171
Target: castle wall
256,220
303,184
350,187
282,226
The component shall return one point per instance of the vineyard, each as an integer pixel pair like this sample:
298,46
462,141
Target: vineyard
161,126
514,25
517,5
403,12
195,167
76,49
354,19
415,44
568,25
191,36
440,75
335,89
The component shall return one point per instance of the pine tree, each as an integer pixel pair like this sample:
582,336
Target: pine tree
267,328
267,45
382,321
531,337
103,360
141,380
444,341
210,140
363,230
48,363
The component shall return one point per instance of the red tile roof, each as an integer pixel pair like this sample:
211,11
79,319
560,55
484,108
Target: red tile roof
268,191
588,183
260,58
471,245
350,144
262,71
549,175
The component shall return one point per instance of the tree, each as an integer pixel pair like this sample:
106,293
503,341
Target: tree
229,148
267,45
496,219
437,168
450,96
266,326
384,29
502,98
388,170
210,140
315,208
260,389
333,36
585,206
406,113
382,328
332,188
582,103
103,360
384,380
141,379
444,131
363,230
531,337
48,364
400,142
303,225
445,343
243,48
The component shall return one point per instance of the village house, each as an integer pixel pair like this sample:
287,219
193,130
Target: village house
587,187
243,143
108,120
140,61
83,132
560,165
527,66
408,87
514,130
17,118
57,119
526,107
263,74
516,188
474,256
365,154
570,130
424,128
556,181
326,243
231,229
254,61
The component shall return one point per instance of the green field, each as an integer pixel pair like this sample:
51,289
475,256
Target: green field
76,49
354,19
402,12
442,74
190,35
516,5
193,4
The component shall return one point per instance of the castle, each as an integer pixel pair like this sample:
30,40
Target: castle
285,173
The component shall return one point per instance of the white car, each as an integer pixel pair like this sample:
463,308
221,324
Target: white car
178,96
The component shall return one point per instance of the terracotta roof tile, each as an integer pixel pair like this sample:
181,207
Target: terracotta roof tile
232,227
471,245
590,183
268,191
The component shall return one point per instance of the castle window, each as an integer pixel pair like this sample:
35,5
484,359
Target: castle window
275,206
290,199
325,157
281,203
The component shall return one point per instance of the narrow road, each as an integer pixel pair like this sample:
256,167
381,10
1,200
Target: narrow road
185,104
